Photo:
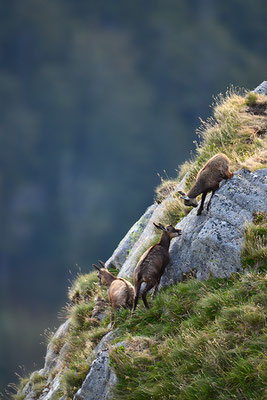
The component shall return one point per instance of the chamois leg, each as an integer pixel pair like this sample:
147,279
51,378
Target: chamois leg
155,290
199,211
208,205
137,291
146,290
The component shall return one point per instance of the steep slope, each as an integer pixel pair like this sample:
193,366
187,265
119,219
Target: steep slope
199,340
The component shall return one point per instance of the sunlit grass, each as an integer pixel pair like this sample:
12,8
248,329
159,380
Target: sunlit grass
233,130
200,340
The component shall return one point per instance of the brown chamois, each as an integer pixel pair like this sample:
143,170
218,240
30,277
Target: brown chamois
208,179
152,264
120,291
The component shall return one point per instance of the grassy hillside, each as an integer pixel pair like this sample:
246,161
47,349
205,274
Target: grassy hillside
199,340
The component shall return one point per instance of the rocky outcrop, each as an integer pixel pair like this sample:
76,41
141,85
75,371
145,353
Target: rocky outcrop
262,88
148,234
212,242
121,253
53,362
101,378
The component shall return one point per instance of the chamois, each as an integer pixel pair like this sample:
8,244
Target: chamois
208,179
120,291
153,263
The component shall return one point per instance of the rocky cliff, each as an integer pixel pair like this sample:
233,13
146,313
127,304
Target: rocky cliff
211,245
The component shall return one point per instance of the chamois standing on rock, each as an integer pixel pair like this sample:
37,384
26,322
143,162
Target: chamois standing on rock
153,263
208,179
120,291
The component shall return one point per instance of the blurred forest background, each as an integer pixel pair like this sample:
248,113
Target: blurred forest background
96,98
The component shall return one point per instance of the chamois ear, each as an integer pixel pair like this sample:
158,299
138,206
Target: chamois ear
159,226
96,267
102,264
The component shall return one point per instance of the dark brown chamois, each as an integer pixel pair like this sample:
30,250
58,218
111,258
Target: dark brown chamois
120,291
153,263
208,179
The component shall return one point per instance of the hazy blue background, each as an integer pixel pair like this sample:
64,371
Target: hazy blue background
96,98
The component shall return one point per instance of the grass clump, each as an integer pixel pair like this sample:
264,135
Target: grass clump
17,389
83,287
254,253
174,211
165,189
38,383
72,381
251,99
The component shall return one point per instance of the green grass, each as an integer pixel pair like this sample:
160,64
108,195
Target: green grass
83,287
199,340
254,253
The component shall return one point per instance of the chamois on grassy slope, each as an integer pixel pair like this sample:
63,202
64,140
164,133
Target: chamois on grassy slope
120,291
208,179
153,263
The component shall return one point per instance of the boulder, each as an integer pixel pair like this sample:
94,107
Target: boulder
101,378
212,242
122,251
148,234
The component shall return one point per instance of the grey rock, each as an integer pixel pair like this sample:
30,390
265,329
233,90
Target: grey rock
53,361
51,358
53,388
212,242
101,378
122,251
262,88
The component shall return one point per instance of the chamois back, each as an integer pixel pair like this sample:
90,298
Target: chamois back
120,291
208,179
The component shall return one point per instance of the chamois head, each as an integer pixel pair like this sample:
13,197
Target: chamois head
187,200
169,229
104,276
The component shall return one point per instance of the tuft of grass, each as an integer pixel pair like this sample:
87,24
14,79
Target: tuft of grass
254,253
83,287
165,189
39,382
18,388
174,211
57,343
72,381
251,99
81,313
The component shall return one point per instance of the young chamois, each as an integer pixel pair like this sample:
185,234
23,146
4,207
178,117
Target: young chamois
208,179
153,263
120,291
